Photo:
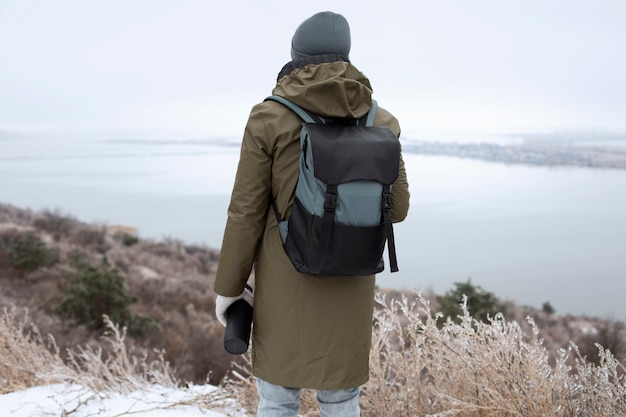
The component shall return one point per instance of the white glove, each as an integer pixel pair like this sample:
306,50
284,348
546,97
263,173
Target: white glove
222,303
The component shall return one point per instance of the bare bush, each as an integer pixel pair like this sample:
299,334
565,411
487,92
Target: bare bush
90,237
56,223
610,334
25,361
14,215
503,367
240,385
172,283
476,368
119,370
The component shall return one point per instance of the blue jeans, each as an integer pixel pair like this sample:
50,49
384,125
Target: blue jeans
277,401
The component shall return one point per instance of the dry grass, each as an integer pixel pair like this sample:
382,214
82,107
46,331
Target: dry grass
173,283
478,369
417,369
240,385
26,361
118,370
508,367
469,369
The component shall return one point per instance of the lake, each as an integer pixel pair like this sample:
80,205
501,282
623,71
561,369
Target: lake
530,234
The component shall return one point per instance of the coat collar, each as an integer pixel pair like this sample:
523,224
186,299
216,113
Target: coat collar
310,60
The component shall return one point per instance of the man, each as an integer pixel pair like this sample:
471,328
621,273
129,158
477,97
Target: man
309,331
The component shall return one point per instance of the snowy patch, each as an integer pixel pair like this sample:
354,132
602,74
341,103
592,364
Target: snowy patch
78,401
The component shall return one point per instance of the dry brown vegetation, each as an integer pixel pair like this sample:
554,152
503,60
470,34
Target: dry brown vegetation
471,369
171,281
27,359
421,365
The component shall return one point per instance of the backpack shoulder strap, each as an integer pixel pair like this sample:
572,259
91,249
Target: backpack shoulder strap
307,118
303,114
371,114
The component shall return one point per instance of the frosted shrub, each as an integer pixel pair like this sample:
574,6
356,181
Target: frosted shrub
418,367
473,368
421,367
25,361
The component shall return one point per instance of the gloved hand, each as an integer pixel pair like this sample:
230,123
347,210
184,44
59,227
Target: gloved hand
222,303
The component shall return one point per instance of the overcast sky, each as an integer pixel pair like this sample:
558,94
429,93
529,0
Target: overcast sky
197,66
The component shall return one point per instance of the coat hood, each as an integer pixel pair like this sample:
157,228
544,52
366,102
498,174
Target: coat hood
327,85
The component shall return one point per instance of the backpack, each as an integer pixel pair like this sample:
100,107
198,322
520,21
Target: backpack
341,218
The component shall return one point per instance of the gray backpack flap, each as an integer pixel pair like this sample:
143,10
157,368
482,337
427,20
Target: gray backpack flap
340,219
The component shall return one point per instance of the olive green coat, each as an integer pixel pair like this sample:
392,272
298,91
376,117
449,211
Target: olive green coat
309,331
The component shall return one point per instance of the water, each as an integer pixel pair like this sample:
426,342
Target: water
164,188
530,234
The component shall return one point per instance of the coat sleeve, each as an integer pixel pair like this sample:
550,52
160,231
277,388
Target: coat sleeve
247,209
400,189
400,195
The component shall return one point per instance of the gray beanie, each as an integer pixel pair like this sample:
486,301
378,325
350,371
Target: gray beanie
323,33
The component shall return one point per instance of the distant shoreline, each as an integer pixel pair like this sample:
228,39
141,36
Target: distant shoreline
529,153
586,149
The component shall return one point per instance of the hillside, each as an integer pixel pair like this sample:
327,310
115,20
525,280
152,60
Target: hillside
171,284
168,307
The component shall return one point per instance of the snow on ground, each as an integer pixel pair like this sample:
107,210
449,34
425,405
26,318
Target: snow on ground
77,401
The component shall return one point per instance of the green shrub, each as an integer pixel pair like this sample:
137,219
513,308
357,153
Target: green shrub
91,291
26,252
129,240
481,303
547,308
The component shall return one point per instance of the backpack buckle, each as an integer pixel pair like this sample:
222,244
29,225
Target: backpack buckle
330,202
386,201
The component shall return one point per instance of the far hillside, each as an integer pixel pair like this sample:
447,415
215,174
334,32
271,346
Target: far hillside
64,274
